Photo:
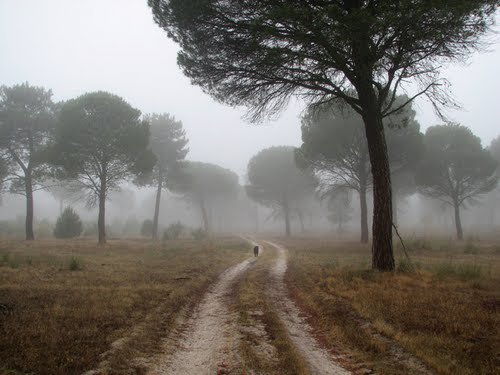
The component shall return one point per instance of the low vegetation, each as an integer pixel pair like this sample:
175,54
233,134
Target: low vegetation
63,303
440,308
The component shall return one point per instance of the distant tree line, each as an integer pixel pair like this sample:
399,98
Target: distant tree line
85,146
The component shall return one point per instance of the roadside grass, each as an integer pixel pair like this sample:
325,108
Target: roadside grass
63,303
266,349
443,307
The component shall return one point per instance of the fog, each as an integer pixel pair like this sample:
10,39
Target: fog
73,47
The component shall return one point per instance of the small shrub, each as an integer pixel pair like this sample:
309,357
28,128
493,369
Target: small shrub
471,249
174,231
75,264
68,225
147,228
199,234
405,266
90,230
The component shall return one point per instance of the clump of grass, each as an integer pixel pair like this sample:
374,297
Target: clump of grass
463,271
75,264
405,266
360,273
9,261
414,244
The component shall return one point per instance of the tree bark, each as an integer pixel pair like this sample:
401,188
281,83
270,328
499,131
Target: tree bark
30,235
101,220
157,205
364,213
382,251
286,212
458,222
204,215
394,209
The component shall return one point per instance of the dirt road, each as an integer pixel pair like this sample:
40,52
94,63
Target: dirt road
319,360
209,341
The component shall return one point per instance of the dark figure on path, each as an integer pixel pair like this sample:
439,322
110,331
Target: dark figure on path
256,251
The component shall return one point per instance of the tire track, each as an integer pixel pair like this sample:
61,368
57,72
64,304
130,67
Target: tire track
209,338
319,360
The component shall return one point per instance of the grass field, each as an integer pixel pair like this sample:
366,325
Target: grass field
443,308
63,303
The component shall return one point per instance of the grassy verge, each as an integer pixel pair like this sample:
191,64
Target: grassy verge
63,303
446,312
266,347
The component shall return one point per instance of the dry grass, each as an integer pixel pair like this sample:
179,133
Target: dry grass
445,313
62,303
266,347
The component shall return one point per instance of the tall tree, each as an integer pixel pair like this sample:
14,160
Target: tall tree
168,143
260,53
275,180
455,169
27,118
101,142
206,186
335,146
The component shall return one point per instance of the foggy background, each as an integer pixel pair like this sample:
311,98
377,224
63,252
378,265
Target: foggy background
73,47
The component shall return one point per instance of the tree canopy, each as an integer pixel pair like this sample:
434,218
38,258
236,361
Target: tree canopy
275,180
261,53
27,119
101,142
206,186
456,169
335,147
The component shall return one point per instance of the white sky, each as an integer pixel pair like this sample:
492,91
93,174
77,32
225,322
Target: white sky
75,46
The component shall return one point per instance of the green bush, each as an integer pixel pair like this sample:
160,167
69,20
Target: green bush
75,264
405,266
68,225
147,228
174,231
199,234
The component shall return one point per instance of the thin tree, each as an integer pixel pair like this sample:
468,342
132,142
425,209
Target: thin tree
261,53
168,143
27,118
101,142
455,169
275,180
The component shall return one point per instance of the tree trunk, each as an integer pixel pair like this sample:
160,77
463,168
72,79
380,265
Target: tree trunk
364,214
286,212
30,235
204,215
157,205
382,252
458,222
101,220
395,209
301,220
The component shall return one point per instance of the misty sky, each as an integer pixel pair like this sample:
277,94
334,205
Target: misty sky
75,46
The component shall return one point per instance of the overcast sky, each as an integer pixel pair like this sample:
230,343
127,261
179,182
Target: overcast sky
75,46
